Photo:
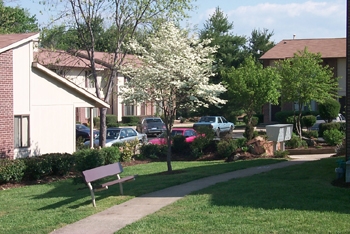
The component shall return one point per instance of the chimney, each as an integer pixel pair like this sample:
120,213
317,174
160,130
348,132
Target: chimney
293,36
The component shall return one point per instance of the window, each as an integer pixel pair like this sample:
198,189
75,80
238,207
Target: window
87,112
21,131
59,72
129,110
89,82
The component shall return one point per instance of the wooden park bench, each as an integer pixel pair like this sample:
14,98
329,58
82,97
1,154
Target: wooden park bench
102,172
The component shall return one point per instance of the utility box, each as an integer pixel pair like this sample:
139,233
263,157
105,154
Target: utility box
279,133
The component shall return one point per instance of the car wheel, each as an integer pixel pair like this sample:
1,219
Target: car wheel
218,132
231,129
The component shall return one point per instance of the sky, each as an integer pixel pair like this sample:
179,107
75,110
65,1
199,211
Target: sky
302,18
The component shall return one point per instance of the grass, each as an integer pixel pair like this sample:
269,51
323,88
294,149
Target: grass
43,208
296,199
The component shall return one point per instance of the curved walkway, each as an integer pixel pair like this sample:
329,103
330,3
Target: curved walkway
117,217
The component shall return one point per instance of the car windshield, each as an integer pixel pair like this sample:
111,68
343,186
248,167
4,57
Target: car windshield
153,120
207,119
112,134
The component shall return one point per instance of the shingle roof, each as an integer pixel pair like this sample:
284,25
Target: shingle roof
328,47
59,58
6,40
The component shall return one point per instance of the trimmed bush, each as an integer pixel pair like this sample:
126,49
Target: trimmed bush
280,154
308,120
88,158
295,142
226,148
202,142
111,154
329,110
327,126
333,137
180,145
283,115
241,142
310,134
130,119
37,167
11,170
61,164
154,151
111,121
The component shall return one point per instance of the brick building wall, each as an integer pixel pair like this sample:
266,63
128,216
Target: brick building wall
6,105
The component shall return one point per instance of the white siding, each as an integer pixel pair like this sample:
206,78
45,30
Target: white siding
21,79
50,105
52,129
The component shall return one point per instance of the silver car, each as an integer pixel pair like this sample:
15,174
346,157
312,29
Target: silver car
120,135
340,118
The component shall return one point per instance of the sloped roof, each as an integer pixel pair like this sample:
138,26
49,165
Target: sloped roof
60,58
92,98
328,47
9,41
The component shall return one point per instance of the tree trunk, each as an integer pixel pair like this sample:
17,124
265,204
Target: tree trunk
168,156
103,127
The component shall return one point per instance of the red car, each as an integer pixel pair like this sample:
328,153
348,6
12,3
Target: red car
189,133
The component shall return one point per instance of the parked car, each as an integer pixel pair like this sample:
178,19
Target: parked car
84,132
120,135
151,126
189,133
340,118
218,123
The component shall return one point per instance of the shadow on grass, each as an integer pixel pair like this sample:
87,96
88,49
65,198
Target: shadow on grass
307,186
71,194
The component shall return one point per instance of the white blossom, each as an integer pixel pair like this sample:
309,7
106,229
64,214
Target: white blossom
172,69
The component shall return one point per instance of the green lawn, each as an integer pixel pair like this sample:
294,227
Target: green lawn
44,207
296,199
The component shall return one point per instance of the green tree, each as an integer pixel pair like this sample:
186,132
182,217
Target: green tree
305,79
59,38
230,53
231,47
259,42
16,20
251,86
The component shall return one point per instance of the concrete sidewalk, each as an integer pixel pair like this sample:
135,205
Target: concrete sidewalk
117,217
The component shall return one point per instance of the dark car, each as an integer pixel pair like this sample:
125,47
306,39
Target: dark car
151,125
84,132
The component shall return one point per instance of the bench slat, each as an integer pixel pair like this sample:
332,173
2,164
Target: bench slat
122,180
103,171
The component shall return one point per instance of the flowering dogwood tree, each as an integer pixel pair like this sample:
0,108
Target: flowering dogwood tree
172,71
